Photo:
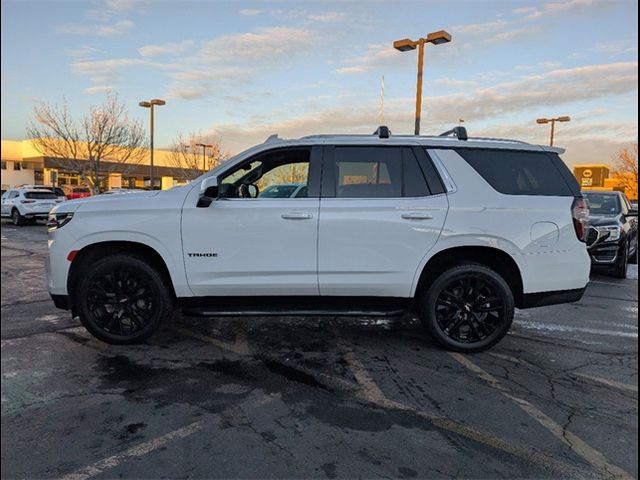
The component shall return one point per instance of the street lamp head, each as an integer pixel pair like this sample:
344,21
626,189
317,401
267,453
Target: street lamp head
144,104
404,45
564,119
439,37
157,101
542,120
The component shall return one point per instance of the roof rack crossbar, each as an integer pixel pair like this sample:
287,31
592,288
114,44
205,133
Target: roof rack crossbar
459,132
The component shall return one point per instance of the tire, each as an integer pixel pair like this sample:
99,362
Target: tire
620,267
634,258
16,218
122,300
453,311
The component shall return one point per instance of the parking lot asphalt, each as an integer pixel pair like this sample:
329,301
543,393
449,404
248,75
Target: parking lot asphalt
309,397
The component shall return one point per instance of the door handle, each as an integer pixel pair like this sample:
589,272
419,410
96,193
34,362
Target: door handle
297,216
417,216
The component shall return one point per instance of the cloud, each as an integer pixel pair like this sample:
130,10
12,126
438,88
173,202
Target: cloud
327,17
556,7
453,83
83,52
264,45
376,57
165,49
512,34
480,28
250,12
109,71
120,27
556,88
98,89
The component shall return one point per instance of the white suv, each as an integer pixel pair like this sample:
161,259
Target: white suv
460,231
25,205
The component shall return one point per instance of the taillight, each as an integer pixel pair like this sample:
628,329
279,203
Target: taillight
580,214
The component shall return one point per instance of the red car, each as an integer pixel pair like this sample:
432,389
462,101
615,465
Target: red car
73,191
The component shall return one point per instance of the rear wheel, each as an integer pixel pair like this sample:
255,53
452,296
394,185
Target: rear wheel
122,299
468,308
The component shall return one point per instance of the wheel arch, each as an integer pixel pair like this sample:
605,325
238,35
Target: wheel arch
94,251
498,260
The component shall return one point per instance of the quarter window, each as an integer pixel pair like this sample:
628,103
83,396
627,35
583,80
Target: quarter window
518,172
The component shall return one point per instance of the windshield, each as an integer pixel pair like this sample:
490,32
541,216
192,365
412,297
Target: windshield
603,203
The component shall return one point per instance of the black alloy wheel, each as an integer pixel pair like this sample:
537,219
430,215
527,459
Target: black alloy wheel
468,308
122,299
16,218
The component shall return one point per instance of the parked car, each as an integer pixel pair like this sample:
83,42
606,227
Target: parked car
289,190
24,205
458,230
74,191
612,237
56,190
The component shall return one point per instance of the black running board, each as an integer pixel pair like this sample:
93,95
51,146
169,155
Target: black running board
294,306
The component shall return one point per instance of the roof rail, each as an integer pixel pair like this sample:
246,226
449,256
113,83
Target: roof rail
459,132
383,132
496,139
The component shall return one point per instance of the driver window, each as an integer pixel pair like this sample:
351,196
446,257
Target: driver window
278,174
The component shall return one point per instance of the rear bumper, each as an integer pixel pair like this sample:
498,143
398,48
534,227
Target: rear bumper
541,299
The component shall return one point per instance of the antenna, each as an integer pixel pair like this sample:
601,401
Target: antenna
381,114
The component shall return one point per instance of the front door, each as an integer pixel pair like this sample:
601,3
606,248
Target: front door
382,210
260,237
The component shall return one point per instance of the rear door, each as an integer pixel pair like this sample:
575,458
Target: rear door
381,210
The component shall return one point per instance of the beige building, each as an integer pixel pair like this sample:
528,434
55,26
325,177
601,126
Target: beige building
23,164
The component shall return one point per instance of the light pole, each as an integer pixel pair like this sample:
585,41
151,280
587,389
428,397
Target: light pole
404,46
204,154
150,104
553,121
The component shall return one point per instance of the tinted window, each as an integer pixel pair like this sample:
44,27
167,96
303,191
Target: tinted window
415,184
368,172
518,173
279,191
43,195
81,190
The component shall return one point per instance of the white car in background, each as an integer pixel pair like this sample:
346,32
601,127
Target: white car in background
24,205
288,190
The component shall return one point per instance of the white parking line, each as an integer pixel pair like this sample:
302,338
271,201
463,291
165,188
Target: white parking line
240,345
580,447
553,327
609,383
136,451
372,393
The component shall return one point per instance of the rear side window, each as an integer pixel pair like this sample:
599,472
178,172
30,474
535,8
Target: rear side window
44,195
518,172
81,190
368,172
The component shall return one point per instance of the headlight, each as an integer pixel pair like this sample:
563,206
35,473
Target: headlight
59,219
614,233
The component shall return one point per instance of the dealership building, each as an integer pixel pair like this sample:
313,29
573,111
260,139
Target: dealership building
23,164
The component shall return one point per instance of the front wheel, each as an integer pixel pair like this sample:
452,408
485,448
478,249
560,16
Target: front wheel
468,308
122,299
620,267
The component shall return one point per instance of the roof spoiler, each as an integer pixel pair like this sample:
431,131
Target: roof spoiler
459,132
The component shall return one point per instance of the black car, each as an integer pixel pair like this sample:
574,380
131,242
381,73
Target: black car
612,237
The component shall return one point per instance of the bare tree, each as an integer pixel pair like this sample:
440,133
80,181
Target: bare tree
104,140
190,159
625,167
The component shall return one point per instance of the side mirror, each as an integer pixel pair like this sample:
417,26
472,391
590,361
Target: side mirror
209,187
208,191
632,213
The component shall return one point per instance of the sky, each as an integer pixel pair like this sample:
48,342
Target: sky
241,71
